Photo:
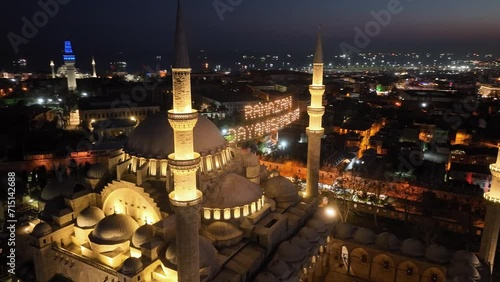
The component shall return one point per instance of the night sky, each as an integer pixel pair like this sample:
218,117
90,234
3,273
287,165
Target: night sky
144,29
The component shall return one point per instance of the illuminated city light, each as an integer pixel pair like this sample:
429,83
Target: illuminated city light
267,109
262,128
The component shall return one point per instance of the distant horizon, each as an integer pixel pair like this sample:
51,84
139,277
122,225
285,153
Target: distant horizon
146,29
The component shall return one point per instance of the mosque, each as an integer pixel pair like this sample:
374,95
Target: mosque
138,218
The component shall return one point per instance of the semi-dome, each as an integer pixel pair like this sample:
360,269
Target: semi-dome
232,190
364,236
387,241
280,269
344,230
464,269
89,217
142,235
467,257
154,137
131,266
309,234
437,253
266,277
224,234
207,253
412,247
41,229
114,228
281,189
58,187
290,252
317,225
97,171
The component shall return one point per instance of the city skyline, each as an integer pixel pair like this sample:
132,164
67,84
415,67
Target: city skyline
141,30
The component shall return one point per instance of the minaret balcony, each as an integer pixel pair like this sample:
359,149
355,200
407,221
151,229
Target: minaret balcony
315,112
184,166
182,121
316,88
495,170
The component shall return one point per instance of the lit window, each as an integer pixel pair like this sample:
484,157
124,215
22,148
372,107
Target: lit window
409,271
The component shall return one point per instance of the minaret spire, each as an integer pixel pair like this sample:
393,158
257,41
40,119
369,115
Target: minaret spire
315,130
94,73
181,51
52,69
318,54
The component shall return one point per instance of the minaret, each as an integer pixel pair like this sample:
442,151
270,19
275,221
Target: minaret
489,236
315,131
184,162
52,67
94,74
69,62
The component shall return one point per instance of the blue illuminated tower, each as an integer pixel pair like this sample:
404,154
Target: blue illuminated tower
69,62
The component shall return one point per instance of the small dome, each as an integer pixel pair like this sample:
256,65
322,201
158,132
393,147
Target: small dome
464,269
97,171
344,230
317,225
301,242
41,229
309,234
142,235
364,236
224,234
207,253
281,189
89,217
290,252
154,137
280,269
266,277
387,241
467,257
58,187
412,247
131,266
232,190
437,253
114,228
249,159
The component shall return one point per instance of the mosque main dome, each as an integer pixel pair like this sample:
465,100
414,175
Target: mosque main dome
154,137
115,228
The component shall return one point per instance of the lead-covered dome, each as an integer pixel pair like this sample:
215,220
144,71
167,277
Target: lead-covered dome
154,137
437,253
142,235
290,252
280,189
364,236
387,241
58,187
89,217
41,229
232,190
131,266
114,228
223,234
97,171
413,247
467,257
